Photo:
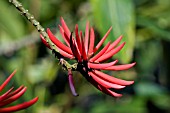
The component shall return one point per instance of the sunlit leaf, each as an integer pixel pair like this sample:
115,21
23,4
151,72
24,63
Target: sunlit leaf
120,15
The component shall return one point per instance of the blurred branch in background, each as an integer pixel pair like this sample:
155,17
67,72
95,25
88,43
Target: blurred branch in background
7,48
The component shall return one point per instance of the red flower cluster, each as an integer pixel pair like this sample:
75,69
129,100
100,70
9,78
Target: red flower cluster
90,60
11,96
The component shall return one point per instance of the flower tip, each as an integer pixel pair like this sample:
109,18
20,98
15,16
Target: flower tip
134,63
61,18
121,36
48,30
15,71
131,82
35,99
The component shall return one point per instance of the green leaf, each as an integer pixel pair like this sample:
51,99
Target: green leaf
120,15
10,21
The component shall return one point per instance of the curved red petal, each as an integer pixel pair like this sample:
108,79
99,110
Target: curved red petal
92,40
65,54
120,67
13,98
112,79
94,58
19,106
66,39
65,27
75,49
110,54
58,43
114,44
101,66
7,80
103,89
104,83
84,55
102,40
78,40
44,41
4,96
86,41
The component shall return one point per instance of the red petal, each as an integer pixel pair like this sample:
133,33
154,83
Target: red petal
7,80
65,27
19,106
112,79
58,43
104,83
104,90
102,40
100,53
101,66
15,92
66,39
75,49
83,48
65,54
4,96
120,67
91,45
86,41
78,40
111,93
110,54
44,41
13,98
114,44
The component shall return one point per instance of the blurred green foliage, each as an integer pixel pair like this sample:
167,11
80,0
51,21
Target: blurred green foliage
145,25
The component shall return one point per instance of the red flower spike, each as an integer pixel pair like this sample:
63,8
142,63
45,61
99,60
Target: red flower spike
11,96
89,62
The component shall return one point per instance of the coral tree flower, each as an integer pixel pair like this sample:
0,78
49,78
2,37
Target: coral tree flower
12,95
90,60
